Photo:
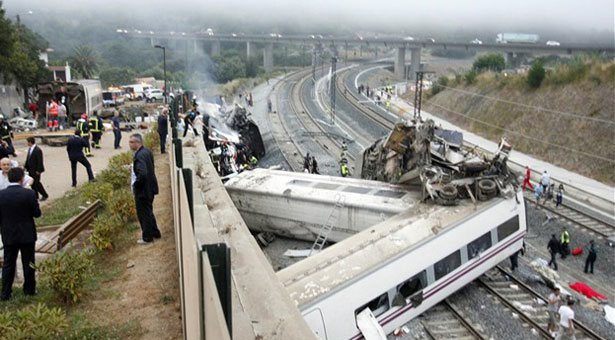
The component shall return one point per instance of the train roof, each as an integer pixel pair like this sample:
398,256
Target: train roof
356,192
340,263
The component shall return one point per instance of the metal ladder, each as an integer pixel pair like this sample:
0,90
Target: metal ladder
321,239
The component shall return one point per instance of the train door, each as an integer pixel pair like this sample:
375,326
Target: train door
316,323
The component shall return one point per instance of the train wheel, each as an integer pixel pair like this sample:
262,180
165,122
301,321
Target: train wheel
449,192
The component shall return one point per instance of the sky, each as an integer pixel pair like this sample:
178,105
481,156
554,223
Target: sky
524,16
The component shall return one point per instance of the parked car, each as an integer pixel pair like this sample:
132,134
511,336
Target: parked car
476,41
154,95
409,39
552,43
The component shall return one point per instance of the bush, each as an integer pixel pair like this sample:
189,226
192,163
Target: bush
122,205
33,322
470,77
116,175
490,62
97,191
536,75
122,159
151,139
66,273
439,85
104,230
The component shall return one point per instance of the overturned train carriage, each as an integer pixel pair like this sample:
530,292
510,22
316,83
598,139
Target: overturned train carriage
435,158
240,121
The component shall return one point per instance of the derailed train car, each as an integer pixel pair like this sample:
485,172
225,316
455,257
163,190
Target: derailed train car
250,135
81,96
435,158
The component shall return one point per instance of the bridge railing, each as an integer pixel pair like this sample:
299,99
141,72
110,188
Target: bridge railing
203,315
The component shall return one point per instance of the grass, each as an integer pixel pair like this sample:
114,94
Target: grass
61,209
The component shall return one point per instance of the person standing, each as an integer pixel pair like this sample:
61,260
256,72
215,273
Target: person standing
553,248
306,163
566,324
559,196
117,133
74,148
33,107
564,243
189,122
526,180
163,129
62,115
554,303
96,128
84,130
18,208
591,257
315,166
538,194
144,187
52,115
544,180
35,167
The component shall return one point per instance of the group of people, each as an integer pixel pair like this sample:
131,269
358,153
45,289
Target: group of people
310,165
545,189
561,316
562,247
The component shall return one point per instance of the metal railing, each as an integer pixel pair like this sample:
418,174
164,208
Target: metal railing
204,270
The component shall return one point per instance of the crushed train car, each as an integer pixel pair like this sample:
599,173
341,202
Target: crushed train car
437,159
81,96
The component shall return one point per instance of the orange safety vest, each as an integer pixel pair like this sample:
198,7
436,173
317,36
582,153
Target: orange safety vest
53,109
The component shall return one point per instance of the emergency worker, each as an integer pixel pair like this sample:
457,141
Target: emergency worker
564,241
84,130
53,113
96,128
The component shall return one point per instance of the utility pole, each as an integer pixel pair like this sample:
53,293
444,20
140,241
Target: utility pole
418,94
332,87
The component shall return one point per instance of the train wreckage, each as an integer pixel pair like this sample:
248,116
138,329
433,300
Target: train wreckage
435,158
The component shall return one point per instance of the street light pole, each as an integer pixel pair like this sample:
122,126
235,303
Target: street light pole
164,65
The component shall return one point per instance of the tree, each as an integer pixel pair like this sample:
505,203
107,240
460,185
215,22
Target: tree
84,60
489,62
228,69
536,75
114,76
470,77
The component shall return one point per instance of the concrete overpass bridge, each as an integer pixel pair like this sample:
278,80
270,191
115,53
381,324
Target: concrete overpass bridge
319,42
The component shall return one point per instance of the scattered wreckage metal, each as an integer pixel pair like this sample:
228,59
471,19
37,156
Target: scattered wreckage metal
419,153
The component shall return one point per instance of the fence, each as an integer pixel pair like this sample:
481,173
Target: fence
204,270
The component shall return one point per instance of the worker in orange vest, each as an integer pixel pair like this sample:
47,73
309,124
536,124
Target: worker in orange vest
52,116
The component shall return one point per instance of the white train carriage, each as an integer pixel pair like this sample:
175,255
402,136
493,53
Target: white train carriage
297,205
404,265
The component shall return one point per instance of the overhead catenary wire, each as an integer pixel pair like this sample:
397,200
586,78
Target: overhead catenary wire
537,108
608,160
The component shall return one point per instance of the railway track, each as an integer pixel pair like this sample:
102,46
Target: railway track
576,217
444,321
526,303
288,131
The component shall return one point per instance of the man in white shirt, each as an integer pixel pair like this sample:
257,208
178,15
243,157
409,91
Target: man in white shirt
6,165
544,180
566,324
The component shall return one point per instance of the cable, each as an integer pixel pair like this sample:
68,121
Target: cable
538,108
522,135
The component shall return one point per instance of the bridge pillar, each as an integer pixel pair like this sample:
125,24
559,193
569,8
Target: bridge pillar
248,49
268,57
152,41
415,62
400,62
215,48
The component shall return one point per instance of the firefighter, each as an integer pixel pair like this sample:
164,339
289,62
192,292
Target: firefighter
344,169
6,133
564,241
84,129
96,128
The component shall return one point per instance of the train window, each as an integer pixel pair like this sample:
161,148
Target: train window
357,190
378,305
409,287
300,183
390,193
447,264
480,244
507,228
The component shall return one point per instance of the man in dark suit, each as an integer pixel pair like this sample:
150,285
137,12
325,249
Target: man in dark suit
18,207
163,129
35,167
144,188
74,147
